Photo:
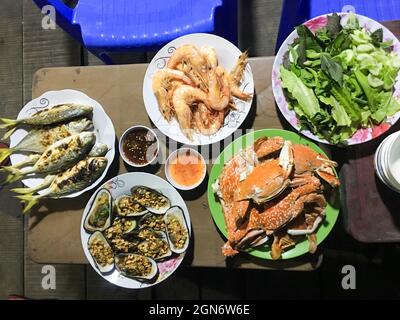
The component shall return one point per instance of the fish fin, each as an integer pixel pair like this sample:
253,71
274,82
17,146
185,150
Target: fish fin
29,200
5,153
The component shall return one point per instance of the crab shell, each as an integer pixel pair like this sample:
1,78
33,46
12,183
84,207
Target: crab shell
268,179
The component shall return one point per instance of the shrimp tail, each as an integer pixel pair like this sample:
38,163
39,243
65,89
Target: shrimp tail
29,200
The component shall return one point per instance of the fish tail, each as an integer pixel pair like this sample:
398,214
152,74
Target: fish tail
47,181
29,200
23,190
8,124
5,153
9,133
14,174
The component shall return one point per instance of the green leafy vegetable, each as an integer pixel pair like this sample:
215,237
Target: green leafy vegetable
341,78
332,68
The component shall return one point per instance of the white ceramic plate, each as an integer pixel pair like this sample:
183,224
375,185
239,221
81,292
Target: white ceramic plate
380,166
227,54
103,128
121,185
361,135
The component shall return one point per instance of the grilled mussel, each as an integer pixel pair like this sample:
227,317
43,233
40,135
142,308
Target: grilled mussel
101,252
151,199
126,206
177,229
152,221
119,227
99,216
136,266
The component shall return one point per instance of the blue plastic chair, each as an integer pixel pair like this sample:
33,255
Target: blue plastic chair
295,12
104,26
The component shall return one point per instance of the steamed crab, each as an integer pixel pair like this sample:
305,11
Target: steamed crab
273,189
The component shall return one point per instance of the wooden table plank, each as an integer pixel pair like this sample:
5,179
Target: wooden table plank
43,48
11,220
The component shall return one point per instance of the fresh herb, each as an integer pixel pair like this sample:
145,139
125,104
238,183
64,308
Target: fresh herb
340,79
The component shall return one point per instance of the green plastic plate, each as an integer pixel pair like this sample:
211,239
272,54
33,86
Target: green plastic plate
263,252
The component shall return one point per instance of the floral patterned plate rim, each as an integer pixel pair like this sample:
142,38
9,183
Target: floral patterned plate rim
120,185
363,134
227,54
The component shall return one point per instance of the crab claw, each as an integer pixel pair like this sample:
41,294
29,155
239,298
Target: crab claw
307,161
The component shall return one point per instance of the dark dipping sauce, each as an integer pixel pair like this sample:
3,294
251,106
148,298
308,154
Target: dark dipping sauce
140,146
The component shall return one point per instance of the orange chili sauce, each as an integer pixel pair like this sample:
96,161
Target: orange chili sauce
186,169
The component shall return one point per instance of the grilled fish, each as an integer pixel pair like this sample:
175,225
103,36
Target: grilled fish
72,180
98,150
37,140
58,157
57,114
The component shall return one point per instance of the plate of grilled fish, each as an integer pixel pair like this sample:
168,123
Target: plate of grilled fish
198,89
61,145
135,230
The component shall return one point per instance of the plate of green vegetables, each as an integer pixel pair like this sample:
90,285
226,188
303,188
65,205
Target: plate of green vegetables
336,79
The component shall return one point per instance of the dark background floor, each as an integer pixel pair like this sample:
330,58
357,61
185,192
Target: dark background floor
26,47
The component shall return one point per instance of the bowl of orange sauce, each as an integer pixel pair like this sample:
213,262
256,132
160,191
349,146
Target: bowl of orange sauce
185,169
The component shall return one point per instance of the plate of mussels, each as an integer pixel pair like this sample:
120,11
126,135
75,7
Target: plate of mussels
135,230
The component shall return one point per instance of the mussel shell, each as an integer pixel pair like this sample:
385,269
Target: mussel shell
137,190
131,245
137,235
178,213
139,213
147,216
90,228
117,220
146,278
98,235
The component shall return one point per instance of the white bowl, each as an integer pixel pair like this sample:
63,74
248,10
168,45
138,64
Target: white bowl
172,156
121,151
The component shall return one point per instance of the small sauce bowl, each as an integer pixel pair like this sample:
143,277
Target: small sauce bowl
185,169
139,146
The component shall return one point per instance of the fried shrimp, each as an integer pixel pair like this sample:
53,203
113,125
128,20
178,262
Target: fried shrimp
164,83
235,78
182,99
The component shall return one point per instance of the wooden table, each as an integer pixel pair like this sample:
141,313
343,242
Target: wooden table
54,229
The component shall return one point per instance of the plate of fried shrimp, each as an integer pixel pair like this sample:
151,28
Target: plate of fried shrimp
198,89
